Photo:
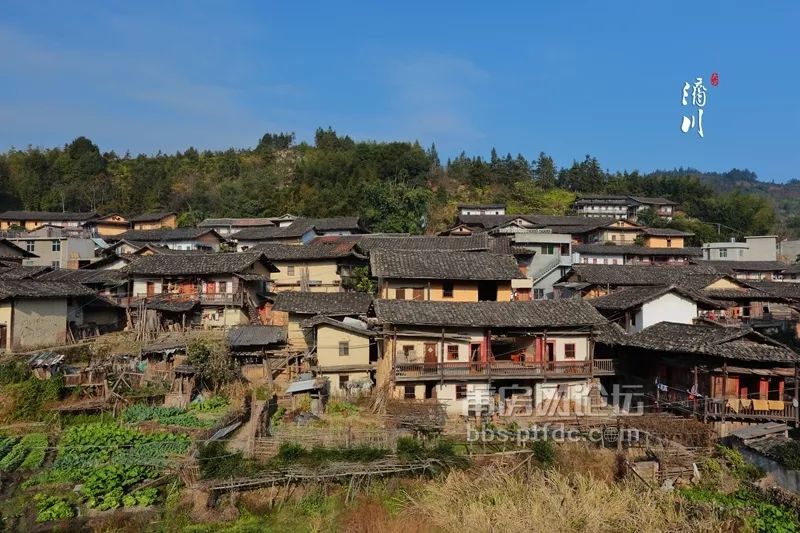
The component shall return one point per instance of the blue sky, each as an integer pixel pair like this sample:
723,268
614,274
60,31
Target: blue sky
567,78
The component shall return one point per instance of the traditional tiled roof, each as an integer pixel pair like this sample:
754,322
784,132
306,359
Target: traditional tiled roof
666,232
300,227
88,277
652,200
477,242
152,217
159,235
41,289
313,251
610,249
794,268
46,216
610,333
481,206
562,222
196,264
531,314
346,326
235,222
732,343
255,336
24,272
444,265
617,275
749,266
636,296
323,303
13,251
778,288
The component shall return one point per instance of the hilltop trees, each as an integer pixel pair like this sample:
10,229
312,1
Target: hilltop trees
395,186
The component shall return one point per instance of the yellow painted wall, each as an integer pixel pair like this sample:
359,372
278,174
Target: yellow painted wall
328,339
661,242
167,222
463,291
5,318
322,271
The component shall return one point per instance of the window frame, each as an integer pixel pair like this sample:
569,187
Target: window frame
30,246
461,391
448,288
55,245
400,293
452,352
344,348
570,347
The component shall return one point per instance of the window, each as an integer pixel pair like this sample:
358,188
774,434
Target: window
344,348
290,270
452,352
669,243
409,392
55,246
223,286
613,261
447,289
723,252
461,392
547,249
613,237
55,264
400,294
569,350
538,294
30,246
633,319
343,380
418,293
408,352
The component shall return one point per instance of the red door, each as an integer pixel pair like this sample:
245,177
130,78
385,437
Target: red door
430,352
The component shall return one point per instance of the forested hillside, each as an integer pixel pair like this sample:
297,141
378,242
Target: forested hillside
395,186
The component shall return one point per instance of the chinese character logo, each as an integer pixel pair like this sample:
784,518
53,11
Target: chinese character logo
698,102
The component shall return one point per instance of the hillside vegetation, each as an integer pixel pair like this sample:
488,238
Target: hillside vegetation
394,186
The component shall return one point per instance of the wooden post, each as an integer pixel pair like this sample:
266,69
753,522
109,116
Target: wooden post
796,399
724,387
441,364
268,366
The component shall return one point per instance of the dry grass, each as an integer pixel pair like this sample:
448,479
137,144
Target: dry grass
535,500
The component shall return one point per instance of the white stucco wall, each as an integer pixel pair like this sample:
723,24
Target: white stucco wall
668,307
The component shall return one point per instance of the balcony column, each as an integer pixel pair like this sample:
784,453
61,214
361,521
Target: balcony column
796,399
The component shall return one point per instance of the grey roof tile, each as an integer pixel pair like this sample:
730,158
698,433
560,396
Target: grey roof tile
444,265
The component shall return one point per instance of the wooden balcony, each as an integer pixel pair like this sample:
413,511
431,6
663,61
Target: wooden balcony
503,369
716,409
212,298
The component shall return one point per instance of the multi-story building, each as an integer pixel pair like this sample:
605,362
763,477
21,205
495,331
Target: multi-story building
164,219
754,248
622,206
56,247
482,209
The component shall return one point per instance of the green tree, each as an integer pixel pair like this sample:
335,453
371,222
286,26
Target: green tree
545,171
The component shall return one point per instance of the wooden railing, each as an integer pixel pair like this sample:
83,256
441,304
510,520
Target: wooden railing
209,298
503,368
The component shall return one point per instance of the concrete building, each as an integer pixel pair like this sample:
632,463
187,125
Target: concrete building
57,247
228,226
622,206
754,248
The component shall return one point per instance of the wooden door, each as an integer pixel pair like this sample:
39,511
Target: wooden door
211,287
550,352
3,336
418,293
430,352
151,289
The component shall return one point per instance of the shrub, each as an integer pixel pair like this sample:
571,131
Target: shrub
217,462
52,508
13,372
544,452
339,407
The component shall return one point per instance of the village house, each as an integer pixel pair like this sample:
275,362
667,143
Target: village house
57,247
622,206
749,270
610,254
621,232
716,373
160,220
30,220
12,254
293,308
259,350
228,226
227,288
345,353
539,353
322,266
451,276
37,313
636,308
481,209
665,237
187,239
300,231
107,225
